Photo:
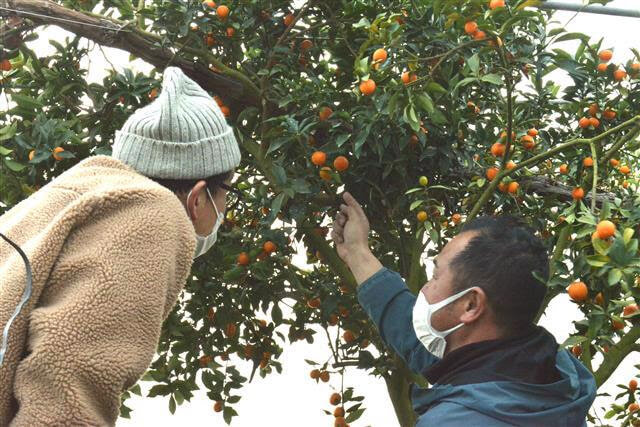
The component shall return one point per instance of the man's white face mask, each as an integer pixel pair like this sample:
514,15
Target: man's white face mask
433,340
206,242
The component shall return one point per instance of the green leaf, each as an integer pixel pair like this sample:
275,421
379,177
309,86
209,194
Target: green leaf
492,78
276,314
5,151
600,246
425,102
614,276
228,413
26,102
415,204
598,260
342,139
172,405
13,165
611,413
576,339
234,399
572,36
474,63
529,3
465,82
179,397
276,205
353,416
8,132
434,87
626,235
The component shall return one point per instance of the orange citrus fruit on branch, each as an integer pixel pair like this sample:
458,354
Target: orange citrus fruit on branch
479,35
577,193
217,407
325,113
497,149
56,151
222,12
532,132
619,74
578,291
563,169
624,170
630,309
421,216
335,399
380,55
367,87
269,247
513,187
243,259
341,163
587,162
605,229
609,114
470,27
288,19
319,158
584,122
605,55
602,67
306,44
325,173
491,173
494,4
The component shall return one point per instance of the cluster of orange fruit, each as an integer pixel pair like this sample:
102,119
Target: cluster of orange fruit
319,158
335,399
268,248
471,28
317,374
619,74
498,149
55,153
5,65
223,108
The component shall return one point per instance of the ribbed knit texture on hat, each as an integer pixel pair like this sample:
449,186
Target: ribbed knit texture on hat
181,135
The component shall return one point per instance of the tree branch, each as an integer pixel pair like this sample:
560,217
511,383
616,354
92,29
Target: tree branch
484,198
616,355
119,35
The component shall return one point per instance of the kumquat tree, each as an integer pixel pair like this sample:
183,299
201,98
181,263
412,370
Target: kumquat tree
429,112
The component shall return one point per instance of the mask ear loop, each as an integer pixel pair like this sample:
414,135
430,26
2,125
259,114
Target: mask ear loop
444,303
25,297
214,206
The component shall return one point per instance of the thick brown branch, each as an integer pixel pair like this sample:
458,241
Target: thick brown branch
129,38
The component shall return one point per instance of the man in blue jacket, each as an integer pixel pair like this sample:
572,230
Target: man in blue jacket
470,331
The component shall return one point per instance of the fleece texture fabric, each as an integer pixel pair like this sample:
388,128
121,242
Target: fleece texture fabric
110,251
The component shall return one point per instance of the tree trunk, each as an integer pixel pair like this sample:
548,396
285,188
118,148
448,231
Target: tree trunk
398,383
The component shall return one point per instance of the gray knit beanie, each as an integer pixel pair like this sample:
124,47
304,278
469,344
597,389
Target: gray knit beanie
181,135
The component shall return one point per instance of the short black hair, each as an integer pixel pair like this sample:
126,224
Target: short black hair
504,258
183,186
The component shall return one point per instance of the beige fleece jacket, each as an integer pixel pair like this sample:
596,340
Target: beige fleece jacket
110,252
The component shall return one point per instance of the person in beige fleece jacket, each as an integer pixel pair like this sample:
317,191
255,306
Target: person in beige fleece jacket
110,243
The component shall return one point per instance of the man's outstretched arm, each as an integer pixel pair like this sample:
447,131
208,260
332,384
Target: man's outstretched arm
381,292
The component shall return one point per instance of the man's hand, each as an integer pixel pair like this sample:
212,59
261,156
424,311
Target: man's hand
351,236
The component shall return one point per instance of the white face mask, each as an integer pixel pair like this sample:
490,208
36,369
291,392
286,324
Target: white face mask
206,242
422,311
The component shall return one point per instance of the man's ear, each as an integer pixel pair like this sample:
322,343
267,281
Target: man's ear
475,304
194,201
